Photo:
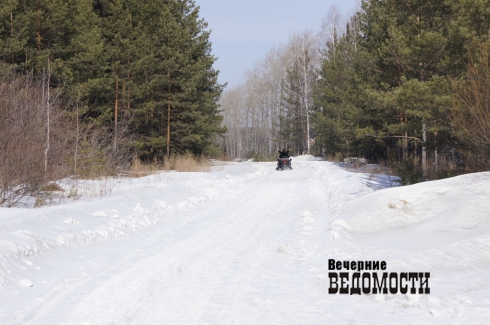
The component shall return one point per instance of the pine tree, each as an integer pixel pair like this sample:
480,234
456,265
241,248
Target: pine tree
184,89
411,43
292,123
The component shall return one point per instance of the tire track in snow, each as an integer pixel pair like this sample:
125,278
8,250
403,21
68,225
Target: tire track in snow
67,286
207,264
216,263
210,259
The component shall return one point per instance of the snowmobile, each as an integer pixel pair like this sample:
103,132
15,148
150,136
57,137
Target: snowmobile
284,164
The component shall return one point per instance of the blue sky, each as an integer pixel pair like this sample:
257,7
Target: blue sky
244,31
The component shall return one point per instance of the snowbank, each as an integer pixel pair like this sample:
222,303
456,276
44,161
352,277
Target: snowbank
441,224
257,255
134,205
455,205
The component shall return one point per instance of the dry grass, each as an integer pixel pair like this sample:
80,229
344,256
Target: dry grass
138,169
187,163
179,163
52,187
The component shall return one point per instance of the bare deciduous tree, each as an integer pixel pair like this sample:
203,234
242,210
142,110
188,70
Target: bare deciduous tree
252,112
471,108
24,153
307,59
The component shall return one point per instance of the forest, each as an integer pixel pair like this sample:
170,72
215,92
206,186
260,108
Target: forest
405,84
86,86
124,65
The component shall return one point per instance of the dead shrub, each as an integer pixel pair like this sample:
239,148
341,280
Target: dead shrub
471,107
52,187
97,152
30,147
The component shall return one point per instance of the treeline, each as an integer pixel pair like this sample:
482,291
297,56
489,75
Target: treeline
393,87
270,108
401,83
110,80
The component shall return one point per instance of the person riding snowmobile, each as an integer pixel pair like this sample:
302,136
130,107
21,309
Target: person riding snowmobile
284,153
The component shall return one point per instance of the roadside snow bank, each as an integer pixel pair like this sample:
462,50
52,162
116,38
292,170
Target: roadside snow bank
139,204
456,204
438,225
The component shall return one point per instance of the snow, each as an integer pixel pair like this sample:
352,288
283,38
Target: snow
246,244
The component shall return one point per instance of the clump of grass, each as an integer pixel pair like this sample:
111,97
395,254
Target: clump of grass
52,187
187,163
138,169
179,163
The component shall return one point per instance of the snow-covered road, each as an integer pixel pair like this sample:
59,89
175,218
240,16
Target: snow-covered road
244,245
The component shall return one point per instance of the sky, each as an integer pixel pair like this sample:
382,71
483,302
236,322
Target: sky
242,32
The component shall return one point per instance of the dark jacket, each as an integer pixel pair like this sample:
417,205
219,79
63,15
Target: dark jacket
284,154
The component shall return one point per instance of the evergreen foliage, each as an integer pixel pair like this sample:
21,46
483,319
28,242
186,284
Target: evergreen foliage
386,93
404,82
142,68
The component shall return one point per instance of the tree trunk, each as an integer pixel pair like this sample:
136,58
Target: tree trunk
424,150
436,156
77,134
47,120
38,40
168,123
116,109
12,34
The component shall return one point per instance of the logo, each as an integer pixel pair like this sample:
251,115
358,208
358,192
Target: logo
366,281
